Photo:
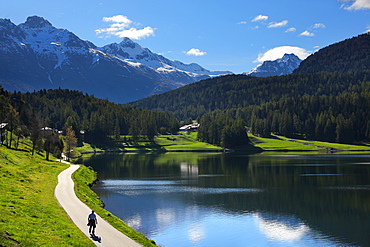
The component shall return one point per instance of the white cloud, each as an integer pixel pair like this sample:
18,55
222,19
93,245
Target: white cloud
278,52
277,24
121,27
242,22
368,29
134,33
195,52
319,25
357,4
118,19
307,33
260,18
280,231
292,29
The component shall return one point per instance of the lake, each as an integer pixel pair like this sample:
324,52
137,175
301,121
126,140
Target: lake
199,199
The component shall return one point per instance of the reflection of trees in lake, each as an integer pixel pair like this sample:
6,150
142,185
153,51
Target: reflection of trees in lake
329,193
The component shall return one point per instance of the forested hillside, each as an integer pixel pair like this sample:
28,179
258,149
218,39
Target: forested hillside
93,120
343,118
330,105
240,91
98,118
322,106
348,55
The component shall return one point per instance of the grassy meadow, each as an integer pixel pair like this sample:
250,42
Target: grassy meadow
188,142
280,143
29,213
183,141
161,143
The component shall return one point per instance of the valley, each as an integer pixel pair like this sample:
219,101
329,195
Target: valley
64,97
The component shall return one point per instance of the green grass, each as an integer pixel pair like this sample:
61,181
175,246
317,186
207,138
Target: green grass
161,143
270,144
87,148
83,178
183,141
170,143
29,213
188,142
339,146
280,143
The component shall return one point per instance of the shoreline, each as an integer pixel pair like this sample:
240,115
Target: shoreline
91,184
77,211
162,151
84,178
257,150
257,145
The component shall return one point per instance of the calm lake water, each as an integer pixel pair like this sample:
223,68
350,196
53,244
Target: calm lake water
197,199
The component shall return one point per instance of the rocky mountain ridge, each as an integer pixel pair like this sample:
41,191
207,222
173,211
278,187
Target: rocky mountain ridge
282,66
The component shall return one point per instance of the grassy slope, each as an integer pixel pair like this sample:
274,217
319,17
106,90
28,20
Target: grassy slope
188,142
280,143
171,143
29,212
183,142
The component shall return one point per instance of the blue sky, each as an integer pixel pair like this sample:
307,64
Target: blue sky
230,35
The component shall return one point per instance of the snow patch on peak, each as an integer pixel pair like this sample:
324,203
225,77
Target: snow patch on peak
136,55
282,66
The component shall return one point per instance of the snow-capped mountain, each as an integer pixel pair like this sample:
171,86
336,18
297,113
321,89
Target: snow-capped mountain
281,66
35,55
135,55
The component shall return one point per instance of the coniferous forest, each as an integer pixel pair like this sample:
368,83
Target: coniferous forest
347,55
322,106
92,120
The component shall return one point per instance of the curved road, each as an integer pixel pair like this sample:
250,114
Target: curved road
107,235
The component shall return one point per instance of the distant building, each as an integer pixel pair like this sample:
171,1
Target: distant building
190,127
47,130
2,132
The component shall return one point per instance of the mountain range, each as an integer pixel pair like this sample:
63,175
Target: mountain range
36,55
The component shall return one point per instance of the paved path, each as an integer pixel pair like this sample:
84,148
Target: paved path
107,235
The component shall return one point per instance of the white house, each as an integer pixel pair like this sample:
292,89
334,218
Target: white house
190,127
